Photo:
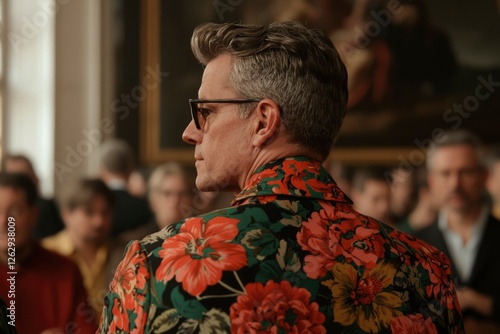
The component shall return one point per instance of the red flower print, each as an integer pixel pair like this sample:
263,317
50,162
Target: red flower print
257,178
295,179
329,234
413,324
131,274
313,237
327,189
357,243
269,308
434,262
406,243
199,254
439,271
120,319
292,166
263,200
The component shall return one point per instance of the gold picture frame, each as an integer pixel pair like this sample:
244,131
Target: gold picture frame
429,116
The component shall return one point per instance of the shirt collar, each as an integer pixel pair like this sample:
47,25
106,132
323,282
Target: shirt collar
64,244
295,176
117,184
477,229
66,247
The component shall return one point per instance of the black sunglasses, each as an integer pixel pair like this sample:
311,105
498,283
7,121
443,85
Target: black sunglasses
200,114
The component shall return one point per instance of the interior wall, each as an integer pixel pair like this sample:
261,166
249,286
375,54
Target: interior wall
82,89
29,85
58,86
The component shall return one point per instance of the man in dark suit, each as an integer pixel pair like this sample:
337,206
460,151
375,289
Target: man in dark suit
117,163
465,230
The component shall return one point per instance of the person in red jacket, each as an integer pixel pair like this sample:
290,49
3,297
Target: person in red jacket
44,291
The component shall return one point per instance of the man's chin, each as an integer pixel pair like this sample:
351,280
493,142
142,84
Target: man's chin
203,185
458,201
459,206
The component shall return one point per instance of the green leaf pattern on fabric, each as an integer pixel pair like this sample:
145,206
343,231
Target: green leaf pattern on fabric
289,256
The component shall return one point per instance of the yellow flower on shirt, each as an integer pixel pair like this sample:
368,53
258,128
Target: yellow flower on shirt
363,299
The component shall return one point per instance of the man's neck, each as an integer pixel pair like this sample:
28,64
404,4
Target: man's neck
87,250
113,179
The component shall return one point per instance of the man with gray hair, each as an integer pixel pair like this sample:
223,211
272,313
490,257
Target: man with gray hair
465,230
290,255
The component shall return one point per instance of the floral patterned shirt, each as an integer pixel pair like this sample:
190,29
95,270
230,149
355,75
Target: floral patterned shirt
290,256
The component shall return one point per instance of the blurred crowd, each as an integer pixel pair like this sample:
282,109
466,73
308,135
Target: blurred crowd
66,253
71,249
453,203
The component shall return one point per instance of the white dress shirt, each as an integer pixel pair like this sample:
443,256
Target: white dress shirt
464,255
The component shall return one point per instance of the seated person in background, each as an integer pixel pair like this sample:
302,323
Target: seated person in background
137,183
425,211
49,221
116,164
371,193
49,291
87,213
173,196
290,255
403,193
171,191
465,230
493,181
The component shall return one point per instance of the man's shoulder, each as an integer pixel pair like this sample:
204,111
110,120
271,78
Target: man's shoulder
491,232
129,212
49,255
230,213
416,241
493,222
51,261
59,243
428,231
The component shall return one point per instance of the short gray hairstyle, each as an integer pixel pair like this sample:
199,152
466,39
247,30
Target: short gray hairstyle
168,169
297,67
455,138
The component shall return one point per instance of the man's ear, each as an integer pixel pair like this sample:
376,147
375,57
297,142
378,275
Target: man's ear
268,122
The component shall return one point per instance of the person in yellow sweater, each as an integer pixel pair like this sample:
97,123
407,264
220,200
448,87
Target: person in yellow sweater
87,214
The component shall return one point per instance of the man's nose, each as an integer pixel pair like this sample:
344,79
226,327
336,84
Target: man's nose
191,134
454,181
